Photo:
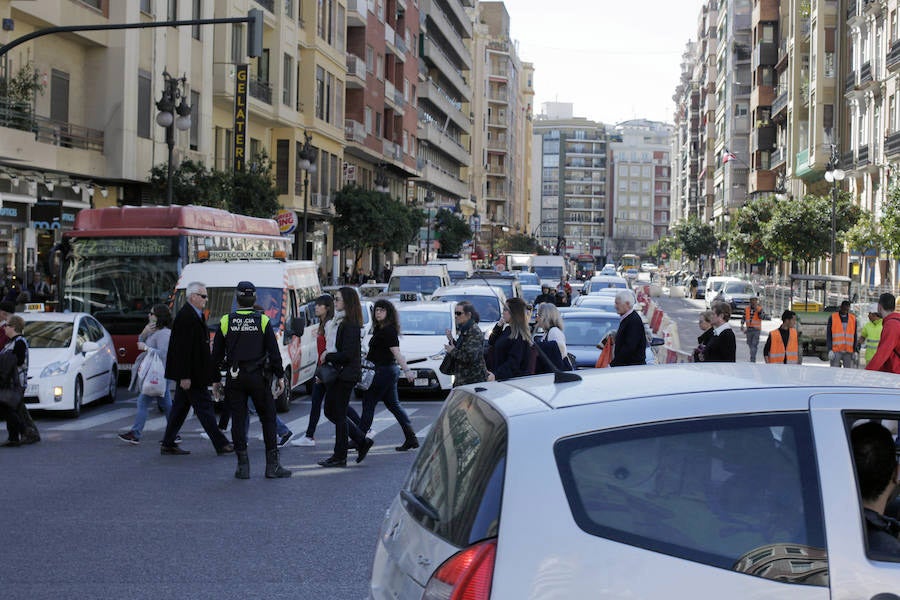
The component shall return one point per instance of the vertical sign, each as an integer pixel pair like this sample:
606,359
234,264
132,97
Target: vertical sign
240,116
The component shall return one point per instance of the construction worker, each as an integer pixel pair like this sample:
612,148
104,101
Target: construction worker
783,345
751,323
871,332
840,337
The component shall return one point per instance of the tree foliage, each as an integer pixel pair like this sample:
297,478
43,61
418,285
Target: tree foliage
696,238
801,229
890,220
667,245
366,219
865,235
452,231
746,240
519,242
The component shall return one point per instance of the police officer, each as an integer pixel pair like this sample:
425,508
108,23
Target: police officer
245,346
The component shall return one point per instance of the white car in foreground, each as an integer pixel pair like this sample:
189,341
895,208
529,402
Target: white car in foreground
694,480
423,327
71,361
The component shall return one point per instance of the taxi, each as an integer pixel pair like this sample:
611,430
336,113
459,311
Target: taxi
71,361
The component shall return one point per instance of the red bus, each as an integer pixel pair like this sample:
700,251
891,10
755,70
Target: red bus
118,262
585,265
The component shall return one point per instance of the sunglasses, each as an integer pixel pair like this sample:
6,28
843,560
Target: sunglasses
201,295
458,313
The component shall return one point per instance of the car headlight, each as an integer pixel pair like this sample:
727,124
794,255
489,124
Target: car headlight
57,368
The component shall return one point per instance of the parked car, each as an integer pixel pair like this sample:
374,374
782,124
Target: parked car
71,362
717,480
423,327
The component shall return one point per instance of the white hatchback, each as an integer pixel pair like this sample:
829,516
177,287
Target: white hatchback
716,480
71,362
423,327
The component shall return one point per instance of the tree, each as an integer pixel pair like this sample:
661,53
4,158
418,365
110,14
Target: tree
253,190
890,220
667,245
519,242
801,229
746,239
865,235
367,219
696,238
451,231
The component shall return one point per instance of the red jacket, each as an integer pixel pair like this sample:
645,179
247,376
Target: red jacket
886,356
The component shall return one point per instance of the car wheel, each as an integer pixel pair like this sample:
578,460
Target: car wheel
283,402
113,390
77,398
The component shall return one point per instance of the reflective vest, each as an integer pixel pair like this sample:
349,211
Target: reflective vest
777,351
842,339
752,318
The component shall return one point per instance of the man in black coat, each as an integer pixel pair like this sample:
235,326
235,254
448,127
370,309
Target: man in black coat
631,341
189,364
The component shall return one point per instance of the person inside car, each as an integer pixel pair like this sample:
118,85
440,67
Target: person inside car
875,457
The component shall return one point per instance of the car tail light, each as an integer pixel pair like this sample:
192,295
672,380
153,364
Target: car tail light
467,575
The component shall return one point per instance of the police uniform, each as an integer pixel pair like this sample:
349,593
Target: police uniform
245,346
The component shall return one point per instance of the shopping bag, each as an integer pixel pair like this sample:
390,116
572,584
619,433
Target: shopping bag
606,355
153,381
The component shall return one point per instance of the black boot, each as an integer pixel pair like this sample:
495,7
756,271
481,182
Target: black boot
274,470
243,468
411,440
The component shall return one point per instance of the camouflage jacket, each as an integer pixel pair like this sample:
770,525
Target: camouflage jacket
469,355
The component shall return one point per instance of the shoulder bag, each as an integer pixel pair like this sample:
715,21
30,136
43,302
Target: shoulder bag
448,365
10,397
327,373
367,375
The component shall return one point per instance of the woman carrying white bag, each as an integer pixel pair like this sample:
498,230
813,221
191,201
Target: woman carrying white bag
149,370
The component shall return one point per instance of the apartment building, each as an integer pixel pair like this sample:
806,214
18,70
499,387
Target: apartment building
501,104
639,185
444,103
705,76
686,139
100,88
569,189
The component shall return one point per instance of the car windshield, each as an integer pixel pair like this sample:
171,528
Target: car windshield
488,307
598,302
548,272
584,331
526,278
529,294
457,275
738,287
222,301
425,322
426,284
48,334
505,284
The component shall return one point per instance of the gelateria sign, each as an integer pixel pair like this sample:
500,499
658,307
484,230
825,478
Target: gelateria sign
241,75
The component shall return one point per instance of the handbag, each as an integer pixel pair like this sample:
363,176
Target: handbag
448,365
327,373
367,375
10,397
153,383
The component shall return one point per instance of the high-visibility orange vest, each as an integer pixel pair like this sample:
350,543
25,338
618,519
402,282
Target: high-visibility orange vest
842,339
752,319
777,351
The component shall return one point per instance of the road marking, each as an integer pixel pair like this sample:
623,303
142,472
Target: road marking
86,423
385,420
423,432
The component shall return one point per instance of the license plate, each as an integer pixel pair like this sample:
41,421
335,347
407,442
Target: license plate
421,382
32,389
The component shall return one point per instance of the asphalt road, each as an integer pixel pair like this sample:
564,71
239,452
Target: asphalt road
90,517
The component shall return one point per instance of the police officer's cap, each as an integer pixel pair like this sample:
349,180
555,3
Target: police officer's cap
246,289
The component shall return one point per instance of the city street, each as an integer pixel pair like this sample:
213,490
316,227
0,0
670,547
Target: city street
92,517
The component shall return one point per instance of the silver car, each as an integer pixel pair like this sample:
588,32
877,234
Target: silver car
697,481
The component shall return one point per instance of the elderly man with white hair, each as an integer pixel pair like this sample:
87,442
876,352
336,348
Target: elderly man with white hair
631,341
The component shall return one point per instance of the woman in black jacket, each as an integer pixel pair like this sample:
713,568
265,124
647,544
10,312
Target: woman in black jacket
347,358
510,343
722,346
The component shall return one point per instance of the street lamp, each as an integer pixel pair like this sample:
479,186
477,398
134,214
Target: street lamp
169,105
306,161
429,204
833,175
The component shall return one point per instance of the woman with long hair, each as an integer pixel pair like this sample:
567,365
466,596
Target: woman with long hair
153,339
346,357
510,343
325,340
467,349
384,353
554,343
19,424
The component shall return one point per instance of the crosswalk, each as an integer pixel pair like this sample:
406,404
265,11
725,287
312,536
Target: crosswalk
120,417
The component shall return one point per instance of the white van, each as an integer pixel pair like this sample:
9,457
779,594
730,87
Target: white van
457,268
423,279
286,291
551,269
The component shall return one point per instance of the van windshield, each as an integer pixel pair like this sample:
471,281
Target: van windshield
548,272
425,284
222,301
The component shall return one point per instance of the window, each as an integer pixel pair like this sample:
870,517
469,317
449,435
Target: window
737,493
172,10
289,9
459,473
379,67
320,93
144,99
286,84
237,43
282,165
195,120
195,14
145,7
368,119
378,127
329,94
370,59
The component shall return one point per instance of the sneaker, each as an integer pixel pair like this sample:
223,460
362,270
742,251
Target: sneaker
129,438
283,440
173,450
304,441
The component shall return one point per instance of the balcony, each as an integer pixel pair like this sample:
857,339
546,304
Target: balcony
765,55
892,144
437,138
356,72
498,96
499,122
440,21
444,180
457,14
765,10
764,137
261,90
850,82
777,158
452,74
390,42
48,131
496,170
761,181
391,150
862,155
433,93
400,43
354,131
865,73
391,96
779,105
893,57
356,13
762,95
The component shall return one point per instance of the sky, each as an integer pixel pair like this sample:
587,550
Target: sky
614,60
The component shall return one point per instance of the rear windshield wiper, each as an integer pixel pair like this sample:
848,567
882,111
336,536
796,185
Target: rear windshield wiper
421,504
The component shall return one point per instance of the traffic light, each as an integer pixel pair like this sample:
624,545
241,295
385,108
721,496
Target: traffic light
254,32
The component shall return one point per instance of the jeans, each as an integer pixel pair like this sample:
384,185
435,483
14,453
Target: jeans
842,359
752,342
143,406
337,399
383,389
318,395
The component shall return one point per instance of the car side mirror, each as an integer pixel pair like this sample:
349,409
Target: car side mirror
298,325
90,347
657,341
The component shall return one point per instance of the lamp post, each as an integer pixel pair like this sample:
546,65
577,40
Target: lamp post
306,160
429,204
168,106
833,175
